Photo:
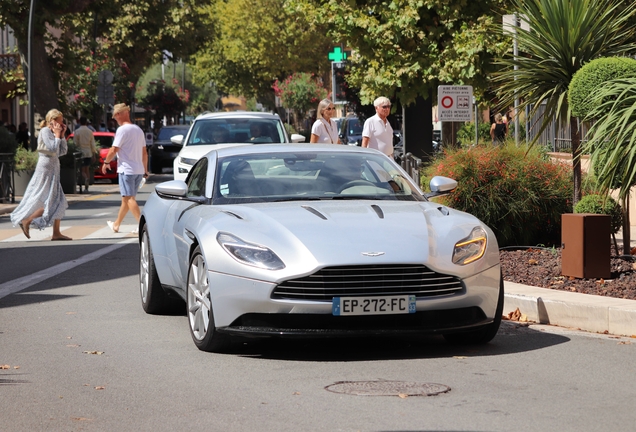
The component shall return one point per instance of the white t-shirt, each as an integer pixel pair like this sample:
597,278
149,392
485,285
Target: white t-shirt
380,134
131,141
327,132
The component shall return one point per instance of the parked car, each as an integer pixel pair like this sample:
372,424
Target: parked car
274,240
351,131
225,129
163,151
103,142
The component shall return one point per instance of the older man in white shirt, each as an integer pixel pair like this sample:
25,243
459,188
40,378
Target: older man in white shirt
377,132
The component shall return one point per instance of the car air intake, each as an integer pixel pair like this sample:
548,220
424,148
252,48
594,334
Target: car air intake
371,280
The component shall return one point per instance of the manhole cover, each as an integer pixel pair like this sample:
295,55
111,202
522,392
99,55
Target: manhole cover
387,388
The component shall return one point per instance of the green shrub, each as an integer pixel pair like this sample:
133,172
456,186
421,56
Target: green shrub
25,159
520,194
586,81
466,133
601,204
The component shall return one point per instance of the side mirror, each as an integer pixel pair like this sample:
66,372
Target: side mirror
441,186
174,189
297,138
177,139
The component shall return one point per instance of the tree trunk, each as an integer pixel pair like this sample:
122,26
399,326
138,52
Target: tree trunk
626,227
575,136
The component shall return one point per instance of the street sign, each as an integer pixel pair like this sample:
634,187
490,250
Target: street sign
337,55
454,103
105,89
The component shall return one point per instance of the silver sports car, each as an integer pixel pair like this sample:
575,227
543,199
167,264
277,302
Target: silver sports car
315,240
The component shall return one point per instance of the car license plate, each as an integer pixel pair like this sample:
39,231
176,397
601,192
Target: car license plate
380,305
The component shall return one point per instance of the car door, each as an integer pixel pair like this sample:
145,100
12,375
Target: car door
186,217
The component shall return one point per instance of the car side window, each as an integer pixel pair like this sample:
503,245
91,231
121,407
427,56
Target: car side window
197,179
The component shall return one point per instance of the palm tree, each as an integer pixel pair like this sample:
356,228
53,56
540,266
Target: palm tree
563,36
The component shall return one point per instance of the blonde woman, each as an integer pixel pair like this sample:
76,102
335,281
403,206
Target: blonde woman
44,203
324,130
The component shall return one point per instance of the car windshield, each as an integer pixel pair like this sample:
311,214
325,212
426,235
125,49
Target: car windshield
168,132
236,130
302,176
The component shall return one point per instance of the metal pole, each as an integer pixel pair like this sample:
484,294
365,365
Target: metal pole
476,121
516,52
333,84
32,141
184,89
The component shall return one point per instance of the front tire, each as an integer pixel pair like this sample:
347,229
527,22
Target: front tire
484,334
154,299
199,306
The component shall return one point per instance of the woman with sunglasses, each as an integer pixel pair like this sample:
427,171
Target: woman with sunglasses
324,130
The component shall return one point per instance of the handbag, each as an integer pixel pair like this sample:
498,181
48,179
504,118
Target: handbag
42,147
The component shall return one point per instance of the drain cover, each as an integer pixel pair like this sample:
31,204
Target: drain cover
387,388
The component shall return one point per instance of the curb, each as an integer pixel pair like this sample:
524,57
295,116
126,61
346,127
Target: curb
587,312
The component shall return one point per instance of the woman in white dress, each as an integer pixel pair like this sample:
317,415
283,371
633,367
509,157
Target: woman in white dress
44,203
324,130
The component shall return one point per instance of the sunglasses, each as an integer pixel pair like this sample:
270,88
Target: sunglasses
329,109
386,106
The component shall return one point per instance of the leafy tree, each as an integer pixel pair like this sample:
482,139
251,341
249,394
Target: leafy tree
300,92
563,36
165,101
405,48
247,59
80,27
587,81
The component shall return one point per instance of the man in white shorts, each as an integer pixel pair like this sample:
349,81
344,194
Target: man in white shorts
132,163
377,132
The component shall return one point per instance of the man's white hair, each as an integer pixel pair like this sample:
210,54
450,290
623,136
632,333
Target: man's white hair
381,101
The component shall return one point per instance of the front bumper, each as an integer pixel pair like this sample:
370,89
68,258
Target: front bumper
244,307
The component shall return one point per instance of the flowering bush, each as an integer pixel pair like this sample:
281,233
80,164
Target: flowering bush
520,194
300,92
166,100
84,85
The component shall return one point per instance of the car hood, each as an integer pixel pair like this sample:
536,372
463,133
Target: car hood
198,151
315,234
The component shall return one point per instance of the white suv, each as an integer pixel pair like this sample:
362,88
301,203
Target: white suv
223,129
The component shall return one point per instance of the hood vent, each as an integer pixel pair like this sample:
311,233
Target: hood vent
378,211
443,210
232,214
314,211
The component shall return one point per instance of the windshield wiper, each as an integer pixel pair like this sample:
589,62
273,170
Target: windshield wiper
300,198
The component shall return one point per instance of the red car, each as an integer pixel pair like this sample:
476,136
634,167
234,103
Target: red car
103,142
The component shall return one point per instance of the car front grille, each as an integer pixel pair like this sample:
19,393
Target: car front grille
372,280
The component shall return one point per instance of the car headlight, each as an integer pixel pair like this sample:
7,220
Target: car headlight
470,248
188,161
250,254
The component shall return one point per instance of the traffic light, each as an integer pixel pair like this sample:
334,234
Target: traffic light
339,83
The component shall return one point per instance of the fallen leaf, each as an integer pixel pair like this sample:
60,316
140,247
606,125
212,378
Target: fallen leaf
16,367
513,316
71,313
571,278
81,419
601,281
93,352
573,289
5,367
100,388
69,337
73,345
403,396
296,393
533,262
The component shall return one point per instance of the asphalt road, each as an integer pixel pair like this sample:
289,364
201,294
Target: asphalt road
80,354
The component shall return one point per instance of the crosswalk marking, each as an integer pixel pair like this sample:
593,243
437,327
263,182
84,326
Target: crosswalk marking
76,232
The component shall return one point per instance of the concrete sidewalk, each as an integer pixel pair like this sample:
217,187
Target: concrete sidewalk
542,305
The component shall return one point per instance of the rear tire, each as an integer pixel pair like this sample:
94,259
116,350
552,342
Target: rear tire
199,308
484,334
154,299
